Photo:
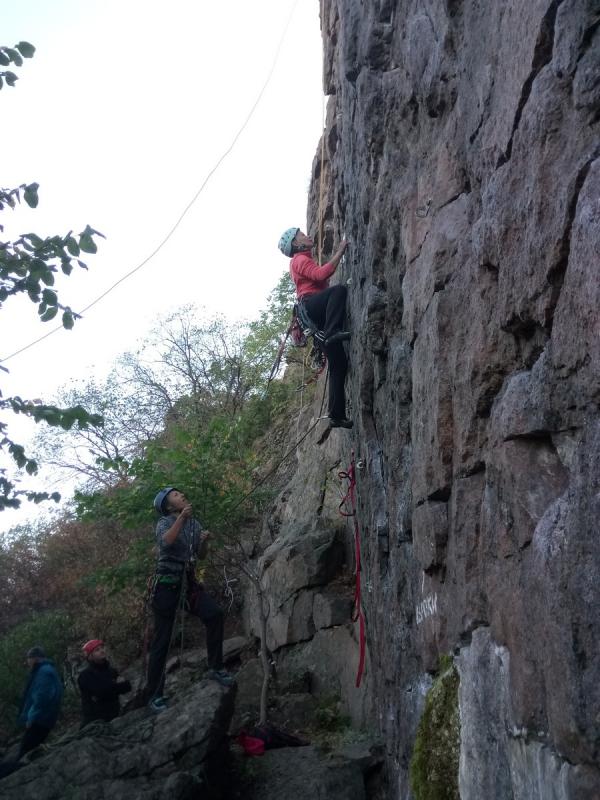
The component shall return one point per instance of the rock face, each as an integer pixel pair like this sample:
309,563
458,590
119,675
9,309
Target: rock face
305,565
462,162
177,754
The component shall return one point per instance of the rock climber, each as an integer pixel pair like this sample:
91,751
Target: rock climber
99,685
180,541
40,705
326,307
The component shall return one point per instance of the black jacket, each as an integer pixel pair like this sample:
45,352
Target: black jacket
100,692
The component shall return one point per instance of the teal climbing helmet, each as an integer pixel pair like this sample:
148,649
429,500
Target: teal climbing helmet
285,243
160,499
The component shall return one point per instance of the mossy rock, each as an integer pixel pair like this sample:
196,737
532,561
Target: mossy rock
434,762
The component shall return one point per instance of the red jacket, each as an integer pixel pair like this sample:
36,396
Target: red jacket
308,276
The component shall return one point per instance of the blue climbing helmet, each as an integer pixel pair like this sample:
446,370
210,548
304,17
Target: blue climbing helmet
285,243
160,499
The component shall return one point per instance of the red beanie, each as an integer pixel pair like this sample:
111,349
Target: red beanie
89,647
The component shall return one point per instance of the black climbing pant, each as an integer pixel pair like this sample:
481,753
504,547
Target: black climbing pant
327,309
33,736
164,605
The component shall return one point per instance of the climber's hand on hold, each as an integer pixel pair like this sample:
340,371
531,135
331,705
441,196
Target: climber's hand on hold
339,253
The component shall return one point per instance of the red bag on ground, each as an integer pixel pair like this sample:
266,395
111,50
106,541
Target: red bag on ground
252,746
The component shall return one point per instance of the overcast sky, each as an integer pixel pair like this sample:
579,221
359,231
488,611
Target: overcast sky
119,116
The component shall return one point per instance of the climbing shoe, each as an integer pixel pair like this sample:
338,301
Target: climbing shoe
340,423
158,704
340,336
220,676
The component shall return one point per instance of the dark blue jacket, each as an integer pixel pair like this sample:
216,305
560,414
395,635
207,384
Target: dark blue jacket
43,695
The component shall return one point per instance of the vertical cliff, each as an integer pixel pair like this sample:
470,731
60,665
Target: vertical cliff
462,162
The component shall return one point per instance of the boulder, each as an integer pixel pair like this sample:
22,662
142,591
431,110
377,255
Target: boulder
177,754
331,608
291,574
331,660
304,772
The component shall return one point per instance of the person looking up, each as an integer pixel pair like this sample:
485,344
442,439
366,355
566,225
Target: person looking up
326,307
99,685
180,540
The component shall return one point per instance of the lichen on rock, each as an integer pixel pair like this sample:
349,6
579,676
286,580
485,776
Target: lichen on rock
435,759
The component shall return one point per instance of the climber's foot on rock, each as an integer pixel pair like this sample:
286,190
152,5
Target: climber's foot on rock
339,336
342,422
220,676
157,704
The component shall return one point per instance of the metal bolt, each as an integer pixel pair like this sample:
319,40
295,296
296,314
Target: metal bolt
423,211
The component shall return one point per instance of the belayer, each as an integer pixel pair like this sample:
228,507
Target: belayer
326,307
99,685
180,541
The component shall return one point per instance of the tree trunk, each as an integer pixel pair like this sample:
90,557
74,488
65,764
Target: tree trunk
264,658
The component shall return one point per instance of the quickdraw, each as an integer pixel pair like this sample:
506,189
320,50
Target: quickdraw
298,332
357,612
279,356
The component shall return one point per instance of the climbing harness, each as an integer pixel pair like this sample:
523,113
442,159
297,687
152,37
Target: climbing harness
357,612
317,361
297,331
300,329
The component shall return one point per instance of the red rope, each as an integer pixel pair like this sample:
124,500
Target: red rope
357,612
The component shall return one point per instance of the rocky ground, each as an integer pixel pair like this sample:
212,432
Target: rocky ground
190,750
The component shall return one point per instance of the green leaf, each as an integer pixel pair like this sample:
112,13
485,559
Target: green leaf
14,56
67,320
66,422
50,297
31,194
4,59
48,277
72,246
49,314
31,467
34,239
87,244
26,49
10,78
